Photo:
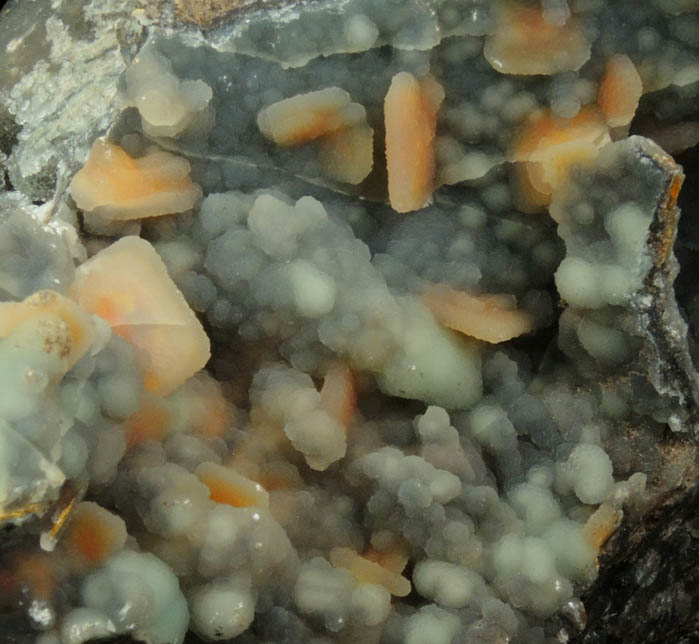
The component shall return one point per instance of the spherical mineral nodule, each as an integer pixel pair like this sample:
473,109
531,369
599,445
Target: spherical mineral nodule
221,611
458,474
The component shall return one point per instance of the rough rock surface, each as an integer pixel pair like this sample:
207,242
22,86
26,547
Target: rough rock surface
350,443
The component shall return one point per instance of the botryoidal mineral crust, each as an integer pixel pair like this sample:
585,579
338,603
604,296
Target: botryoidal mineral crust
341,321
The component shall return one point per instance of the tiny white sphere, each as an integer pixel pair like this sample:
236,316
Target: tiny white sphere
221,611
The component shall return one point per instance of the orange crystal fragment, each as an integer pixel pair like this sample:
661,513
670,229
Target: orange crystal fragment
94,533
492,318
129,280
306,117
338,396
227,486
348,154
410,112
524,42
548,146
620,91
369,572
115,186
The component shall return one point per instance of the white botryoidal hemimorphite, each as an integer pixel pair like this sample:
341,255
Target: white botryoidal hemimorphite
139,594
289,398
167,104
587,473
222,609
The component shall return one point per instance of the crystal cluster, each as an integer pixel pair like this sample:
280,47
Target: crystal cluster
338,321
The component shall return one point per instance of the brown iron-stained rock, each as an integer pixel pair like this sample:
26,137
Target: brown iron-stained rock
206,12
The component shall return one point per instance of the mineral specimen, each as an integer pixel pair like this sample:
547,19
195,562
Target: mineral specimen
347,321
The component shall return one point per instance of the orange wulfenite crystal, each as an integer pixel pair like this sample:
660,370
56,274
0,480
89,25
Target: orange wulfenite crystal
601,525
338,396
369,572
94,533
129,281
492,318
305,117
115,186
620,91
410,111
524,42
227,486
547,147
348,155
150,422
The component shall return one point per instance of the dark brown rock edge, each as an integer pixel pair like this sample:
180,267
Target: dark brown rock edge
647,589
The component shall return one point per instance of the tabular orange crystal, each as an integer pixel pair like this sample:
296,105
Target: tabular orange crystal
129,280
94,533
369,572
338,396
306,117
348,154
227,486
620,91
600,526
115,186
410,112
548,146
492,318
524,42
543,131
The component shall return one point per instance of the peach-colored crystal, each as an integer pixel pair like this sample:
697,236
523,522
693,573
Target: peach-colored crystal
348,154
93,533
601,524
229,487
306,117
338,396
524,42
548,146
115,186
620,91
492,318
410,112
369,572
128,285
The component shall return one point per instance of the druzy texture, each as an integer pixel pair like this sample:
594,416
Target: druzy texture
347,321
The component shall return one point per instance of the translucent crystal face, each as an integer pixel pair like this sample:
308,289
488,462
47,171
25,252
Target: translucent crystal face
336,321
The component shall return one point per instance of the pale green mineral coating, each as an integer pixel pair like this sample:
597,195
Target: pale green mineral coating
485,463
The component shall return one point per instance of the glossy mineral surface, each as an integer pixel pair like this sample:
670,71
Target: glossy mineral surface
344,321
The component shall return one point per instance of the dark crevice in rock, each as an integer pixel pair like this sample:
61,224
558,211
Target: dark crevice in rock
9,130
646,591
687,246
